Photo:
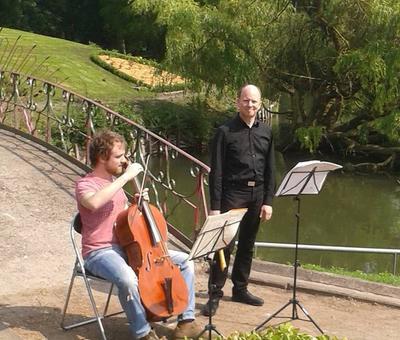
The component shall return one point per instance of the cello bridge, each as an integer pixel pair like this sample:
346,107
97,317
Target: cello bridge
160,260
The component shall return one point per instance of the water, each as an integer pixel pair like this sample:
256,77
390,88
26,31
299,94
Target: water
351,210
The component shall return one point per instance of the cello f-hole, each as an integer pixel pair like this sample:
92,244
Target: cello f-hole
148,260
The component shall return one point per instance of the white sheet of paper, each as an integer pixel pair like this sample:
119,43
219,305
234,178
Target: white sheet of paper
216,233
296,178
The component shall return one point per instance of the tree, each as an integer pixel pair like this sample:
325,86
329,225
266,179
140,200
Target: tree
70,19
82,22
132,33
10,12
111,24
336,61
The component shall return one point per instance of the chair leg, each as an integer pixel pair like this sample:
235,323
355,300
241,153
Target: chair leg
97,317
67,300
108,300
93,302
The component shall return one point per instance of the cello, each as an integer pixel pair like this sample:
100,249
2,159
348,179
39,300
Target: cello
142,232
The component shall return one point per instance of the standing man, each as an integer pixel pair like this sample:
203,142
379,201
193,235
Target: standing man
242,176
100,199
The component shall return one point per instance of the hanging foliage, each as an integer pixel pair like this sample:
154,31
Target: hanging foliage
337,61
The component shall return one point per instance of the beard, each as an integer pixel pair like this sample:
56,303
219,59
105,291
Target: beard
115,170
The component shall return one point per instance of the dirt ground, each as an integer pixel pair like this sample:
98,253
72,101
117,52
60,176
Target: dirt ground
36,259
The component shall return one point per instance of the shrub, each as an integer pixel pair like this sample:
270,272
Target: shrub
284,331
159,88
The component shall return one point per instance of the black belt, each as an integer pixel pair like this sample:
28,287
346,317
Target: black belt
246,183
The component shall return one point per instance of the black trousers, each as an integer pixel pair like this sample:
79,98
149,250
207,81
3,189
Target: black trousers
239,197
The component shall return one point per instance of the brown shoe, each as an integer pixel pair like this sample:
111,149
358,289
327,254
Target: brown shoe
189,329
150,336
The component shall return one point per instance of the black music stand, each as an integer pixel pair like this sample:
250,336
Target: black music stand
306,178
216,233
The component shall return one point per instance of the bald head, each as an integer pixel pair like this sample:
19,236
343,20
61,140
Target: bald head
248,103
249,87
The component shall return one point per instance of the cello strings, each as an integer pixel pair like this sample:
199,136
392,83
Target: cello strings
143,181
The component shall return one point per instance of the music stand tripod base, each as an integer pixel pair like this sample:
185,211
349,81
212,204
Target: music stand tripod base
210,327
294,316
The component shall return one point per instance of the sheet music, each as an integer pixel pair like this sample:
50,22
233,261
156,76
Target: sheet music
217,232
322,166
296,179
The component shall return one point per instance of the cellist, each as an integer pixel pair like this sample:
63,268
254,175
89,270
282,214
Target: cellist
100,198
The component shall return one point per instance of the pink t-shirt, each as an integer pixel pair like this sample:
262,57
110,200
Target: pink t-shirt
98,226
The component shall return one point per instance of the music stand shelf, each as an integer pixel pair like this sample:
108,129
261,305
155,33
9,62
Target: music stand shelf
306,178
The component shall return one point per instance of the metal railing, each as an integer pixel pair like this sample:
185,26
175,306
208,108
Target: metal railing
394,252
65,121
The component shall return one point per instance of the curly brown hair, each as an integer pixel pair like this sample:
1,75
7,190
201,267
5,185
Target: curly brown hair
101,145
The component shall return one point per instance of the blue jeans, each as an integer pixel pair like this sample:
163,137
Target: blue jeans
110,263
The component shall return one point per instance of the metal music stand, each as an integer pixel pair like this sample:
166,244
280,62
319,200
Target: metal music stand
216,233
306,178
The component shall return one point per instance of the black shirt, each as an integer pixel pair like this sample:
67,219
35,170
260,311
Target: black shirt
240,154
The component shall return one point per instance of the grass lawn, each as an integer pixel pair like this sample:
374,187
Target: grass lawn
68,64
386,278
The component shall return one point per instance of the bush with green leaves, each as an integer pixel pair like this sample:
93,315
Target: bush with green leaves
284,331
309,137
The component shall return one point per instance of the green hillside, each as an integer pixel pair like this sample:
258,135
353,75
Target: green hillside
68,64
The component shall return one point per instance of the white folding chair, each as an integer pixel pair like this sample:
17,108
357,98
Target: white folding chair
79,271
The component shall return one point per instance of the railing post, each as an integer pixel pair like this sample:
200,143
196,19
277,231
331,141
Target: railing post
394,263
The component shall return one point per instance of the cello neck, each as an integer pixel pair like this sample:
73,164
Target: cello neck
146,211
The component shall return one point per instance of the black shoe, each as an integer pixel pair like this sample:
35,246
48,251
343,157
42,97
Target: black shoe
244,296
210,307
